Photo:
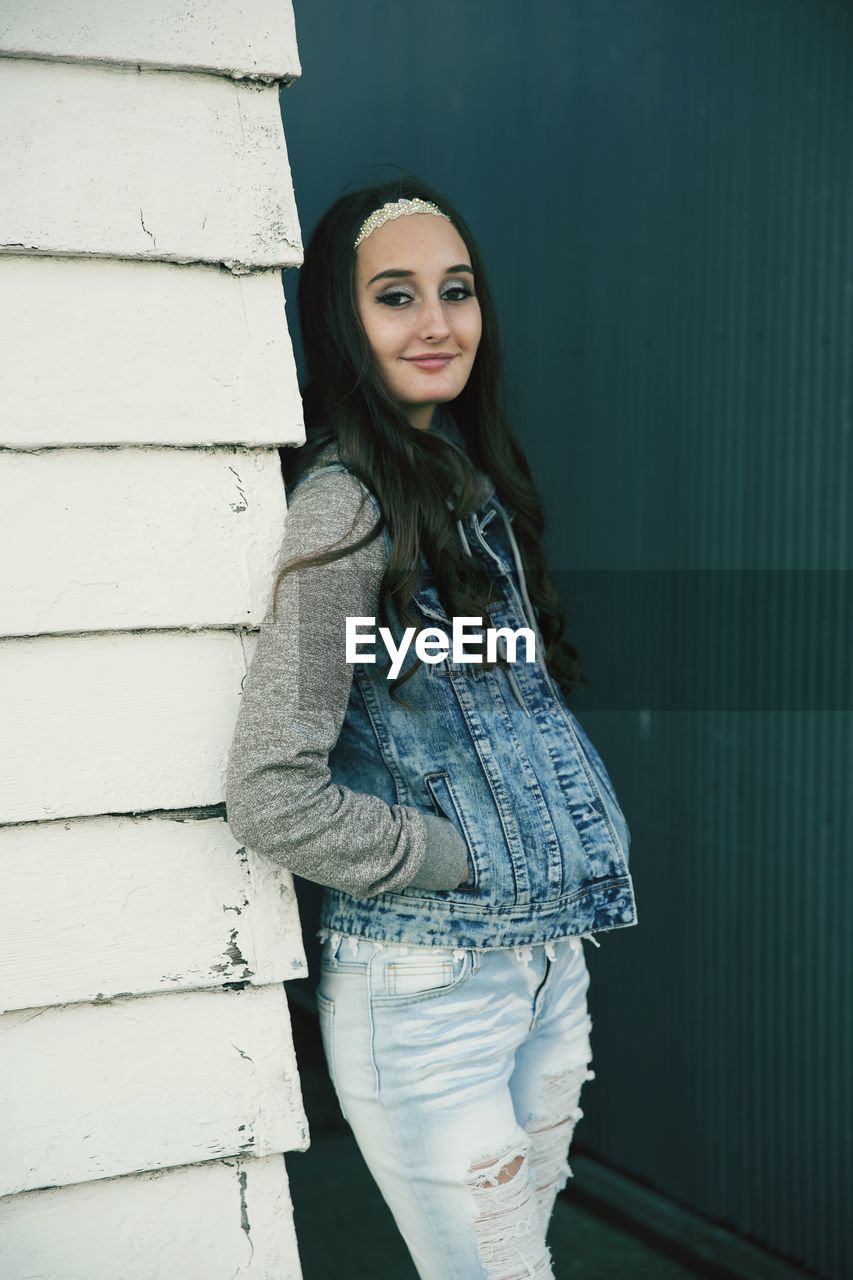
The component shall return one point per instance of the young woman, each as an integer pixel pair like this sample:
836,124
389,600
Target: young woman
463,825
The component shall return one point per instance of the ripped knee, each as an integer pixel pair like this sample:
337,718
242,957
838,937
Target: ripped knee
509,1233
508,1171
552,1132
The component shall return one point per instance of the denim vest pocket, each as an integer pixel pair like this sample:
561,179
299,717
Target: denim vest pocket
441,792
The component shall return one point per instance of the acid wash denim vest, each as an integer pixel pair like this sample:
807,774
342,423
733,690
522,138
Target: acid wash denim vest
498,753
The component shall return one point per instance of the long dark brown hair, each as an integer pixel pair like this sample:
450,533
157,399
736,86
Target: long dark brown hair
411,472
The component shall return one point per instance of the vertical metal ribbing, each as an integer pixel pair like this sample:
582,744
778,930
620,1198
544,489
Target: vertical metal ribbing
735,473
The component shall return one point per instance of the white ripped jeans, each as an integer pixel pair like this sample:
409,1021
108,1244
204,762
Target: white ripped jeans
460,1072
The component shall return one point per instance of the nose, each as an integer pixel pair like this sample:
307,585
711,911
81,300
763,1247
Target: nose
433,326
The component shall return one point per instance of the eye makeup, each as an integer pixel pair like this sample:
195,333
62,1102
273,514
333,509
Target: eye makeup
454,287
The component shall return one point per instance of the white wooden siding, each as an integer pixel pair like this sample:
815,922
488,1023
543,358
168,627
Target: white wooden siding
225,1218
243,38
149,1083
160,165
146,1083
128,538
95,908
98,351
116,723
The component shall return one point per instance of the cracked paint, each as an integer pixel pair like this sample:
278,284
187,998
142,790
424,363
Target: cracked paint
243,505
145,229
242,1178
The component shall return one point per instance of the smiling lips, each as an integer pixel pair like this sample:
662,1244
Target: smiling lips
429,362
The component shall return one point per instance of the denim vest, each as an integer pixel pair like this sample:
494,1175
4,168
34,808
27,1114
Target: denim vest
502,757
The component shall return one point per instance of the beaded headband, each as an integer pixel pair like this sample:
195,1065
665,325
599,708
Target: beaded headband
396,209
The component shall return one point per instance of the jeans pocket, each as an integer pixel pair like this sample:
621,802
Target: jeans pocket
419,975
326,1012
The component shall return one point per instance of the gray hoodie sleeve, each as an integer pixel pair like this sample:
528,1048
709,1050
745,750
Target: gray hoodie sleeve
280,797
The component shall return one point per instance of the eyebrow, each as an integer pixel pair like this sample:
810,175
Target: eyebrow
396,272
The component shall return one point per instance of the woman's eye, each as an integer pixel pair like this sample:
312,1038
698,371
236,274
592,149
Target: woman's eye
390,299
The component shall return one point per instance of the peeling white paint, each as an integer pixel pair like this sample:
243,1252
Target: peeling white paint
158,165
147,1083
153,904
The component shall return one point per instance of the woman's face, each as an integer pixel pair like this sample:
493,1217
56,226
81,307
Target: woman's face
415,292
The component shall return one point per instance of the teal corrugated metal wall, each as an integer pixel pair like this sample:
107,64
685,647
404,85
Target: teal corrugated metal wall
664,193
717,414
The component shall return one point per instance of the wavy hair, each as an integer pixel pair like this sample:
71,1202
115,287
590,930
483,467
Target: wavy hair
412,473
